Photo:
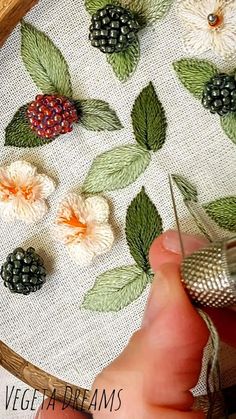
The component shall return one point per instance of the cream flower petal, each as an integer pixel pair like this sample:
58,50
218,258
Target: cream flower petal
197,41
21,172
81,253
194,14
44,186
100,238
7,211
31,212
224,43
72,204
97,209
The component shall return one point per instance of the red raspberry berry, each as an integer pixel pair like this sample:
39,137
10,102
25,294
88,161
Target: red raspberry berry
51,115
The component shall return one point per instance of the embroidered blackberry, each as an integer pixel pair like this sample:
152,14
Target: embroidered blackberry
113,29
51,115
23,272
219,94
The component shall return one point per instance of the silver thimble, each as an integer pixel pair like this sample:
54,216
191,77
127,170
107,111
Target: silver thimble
209,274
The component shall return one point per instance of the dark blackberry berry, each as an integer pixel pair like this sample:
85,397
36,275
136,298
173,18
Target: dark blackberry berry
219,94
51,115
24,271
113,29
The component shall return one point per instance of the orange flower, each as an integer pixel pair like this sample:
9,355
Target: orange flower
82,225
23,192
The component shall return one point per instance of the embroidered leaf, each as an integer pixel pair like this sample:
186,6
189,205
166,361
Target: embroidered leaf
19,134
116,169
228,124
194,74
96,115
223,212
188,191
115,289
148,11
44,62
93,5
149,121
143,225
124,63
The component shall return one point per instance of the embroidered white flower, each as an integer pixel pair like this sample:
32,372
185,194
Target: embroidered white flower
23,192
210,24
82,225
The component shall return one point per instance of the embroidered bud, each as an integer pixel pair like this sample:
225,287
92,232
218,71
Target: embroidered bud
113,29
51,115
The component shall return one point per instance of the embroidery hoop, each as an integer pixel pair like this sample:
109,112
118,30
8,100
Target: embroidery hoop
47,384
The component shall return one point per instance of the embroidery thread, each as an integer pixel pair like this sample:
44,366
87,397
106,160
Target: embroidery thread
114,29
121,166
115,289
216,90
82,226
23,192
55,111
222,211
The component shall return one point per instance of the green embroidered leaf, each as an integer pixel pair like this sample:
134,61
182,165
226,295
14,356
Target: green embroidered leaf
116,169
223,212
115,289
96,115
124,63
44,62
194,74
143,225
188,191
93,5
149,121
228,124
19,134
148,11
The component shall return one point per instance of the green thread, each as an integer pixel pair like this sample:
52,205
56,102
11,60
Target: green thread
19,134
44,62
143,225
194,73
190,197
188,191
115,289
116,169
124,63
228,124
149,121
148,11
96,115
93,5
223,212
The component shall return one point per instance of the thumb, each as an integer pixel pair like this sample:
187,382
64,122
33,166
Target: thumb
162,361
176,339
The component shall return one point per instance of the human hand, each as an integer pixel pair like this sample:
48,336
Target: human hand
162,361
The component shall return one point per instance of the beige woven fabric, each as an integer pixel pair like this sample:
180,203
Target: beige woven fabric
48,327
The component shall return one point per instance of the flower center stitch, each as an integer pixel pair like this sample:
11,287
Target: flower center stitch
215,20
25,191
73,221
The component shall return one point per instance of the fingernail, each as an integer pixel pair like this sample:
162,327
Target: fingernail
158,298
191,243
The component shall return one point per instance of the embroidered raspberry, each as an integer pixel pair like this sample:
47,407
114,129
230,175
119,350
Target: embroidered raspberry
51,115
113,29
219,94
24,271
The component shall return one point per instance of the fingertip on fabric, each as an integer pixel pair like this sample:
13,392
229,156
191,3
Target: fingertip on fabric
167,249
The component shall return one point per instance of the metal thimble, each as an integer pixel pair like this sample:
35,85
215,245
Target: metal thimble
209,274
